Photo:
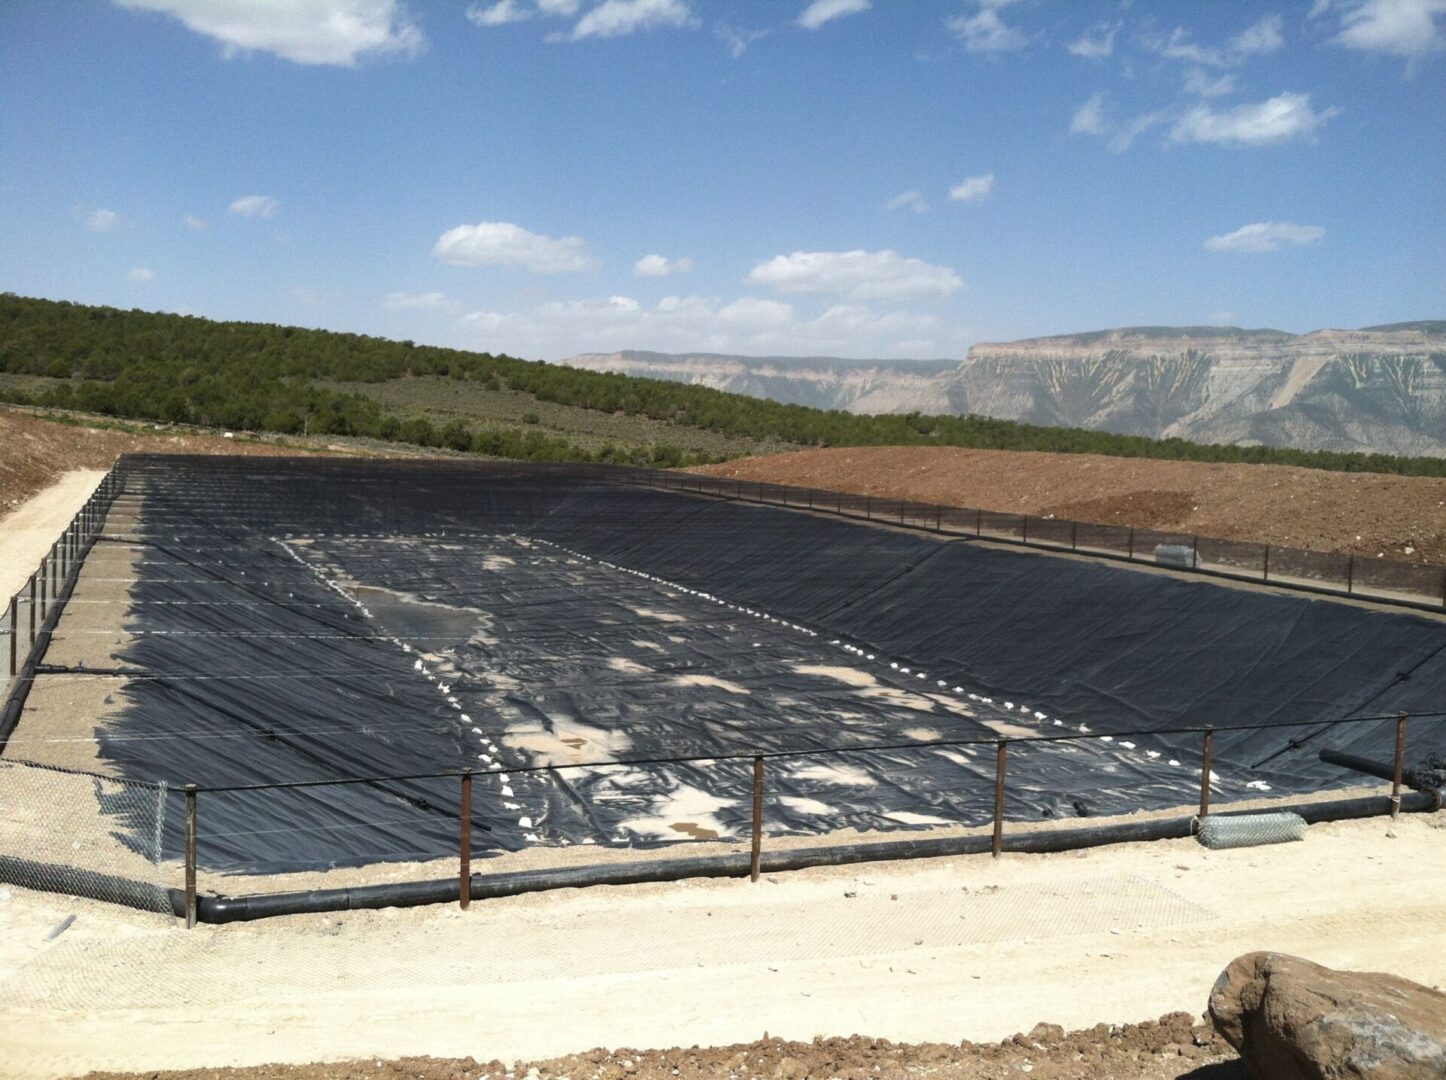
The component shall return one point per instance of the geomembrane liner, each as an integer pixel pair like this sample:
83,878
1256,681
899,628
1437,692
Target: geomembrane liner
302,619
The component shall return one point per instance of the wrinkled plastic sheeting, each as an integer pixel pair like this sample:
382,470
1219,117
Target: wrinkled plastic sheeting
305,620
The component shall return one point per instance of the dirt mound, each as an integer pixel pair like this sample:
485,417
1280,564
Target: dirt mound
1366,514
37,449
1173,1047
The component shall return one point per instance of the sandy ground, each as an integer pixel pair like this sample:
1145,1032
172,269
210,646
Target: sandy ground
1367,514
27,532
933,950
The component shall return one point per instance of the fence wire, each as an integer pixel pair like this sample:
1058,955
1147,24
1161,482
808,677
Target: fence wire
85,835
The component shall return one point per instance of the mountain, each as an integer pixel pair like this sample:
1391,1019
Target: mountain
820,382
1381,389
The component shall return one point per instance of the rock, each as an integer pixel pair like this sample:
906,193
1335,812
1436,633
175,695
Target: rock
1291,1019
1046,1034
790,1069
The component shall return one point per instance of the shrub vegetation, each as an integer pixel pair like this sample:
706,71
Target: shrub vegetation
261,377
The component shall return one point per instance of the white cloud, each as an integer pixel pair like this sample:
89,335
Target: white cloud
428,301
737,40
701,324
1178,46
141,273
1265,236
859,275
102,220
972,188
254,206
659,266
1407,28
314,297
499,14
823,11
196,224
1280,119
500,243
1135,128
615,18
1097,47
1263,36
911,200
305,31
1089,118
985,31
1202,83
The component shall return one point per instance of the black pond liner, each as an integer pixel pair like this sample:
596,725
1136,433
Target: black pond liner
316,619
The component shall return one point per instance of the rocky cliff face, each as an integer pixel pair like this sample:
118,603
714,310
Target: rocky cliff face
822,382
1381,389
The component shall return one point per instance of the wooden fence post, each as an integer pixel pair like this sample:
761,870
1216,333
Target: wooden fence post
999,797
465,884
757,859
1207,755
190,790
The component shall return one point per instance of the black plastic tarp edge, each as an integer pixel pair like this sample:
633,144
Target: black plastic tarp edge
31,874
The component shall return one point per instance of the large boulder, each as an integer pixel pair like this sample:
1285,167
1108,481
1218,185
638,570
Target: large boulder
1294,1020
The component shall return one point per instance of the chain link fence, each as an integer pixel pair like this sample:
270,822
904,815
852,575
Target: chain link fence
82,834
1391,581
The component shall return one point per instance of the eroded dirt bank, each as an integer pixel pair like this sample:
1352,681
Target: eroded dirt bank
1367,514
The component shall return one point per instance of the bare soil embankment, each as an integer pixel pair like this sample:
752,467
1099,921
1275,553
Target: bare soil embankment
1366,514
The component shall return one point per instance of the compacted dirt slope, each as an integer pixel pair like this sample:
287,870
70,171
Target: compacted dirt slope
35,450
1368,514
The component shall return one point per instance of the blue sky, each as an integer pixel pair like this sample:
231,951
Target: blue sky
895,178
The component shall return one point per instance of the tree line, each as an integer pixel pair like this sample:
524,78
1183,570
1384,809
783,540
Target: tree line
263,377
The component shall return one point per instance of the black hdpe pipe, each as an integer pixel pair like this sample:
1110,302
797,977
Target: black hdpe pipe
46,877
225,909
1417,779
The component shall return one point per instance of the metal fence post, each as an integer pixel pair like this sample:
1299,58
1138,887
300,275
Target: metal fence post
14,632
1130,552
190,790
999,797
753,866
1265,575
1195,552
1400,765
1350,574
465,885
32,609
1207,755
938,518
44,583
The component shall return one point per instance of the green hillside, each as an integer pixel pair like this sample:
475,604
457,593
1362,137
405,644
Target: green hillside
260,377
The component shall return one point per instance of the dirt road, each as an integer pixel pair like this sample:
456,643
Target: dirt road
1367,514
27,533
941,950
